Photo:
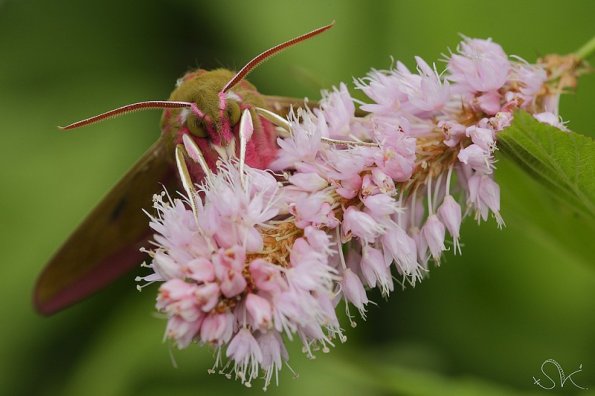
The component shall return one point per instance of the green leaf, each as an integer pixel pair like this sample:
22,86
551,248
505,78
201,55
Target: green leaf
378,373
562,161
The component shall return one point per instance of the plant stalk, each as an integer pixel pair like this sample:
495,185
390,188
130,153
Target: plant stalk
586,50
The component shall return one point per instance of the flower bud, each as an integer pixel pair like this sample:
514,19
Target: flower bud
207,296
450,214
477,158
308,181
353,289
482,137
402,248
433,232
360,224
217,328
260,311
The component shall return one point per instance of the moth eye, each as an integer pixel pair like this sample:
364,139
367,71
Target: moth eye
196,126
233,112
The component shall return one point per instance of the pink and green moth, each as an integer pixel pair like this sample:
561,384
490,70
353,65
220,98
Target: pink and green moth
204,108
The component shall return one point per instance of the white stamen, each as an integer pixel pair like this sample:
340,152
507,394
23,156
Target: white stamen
340,248
412,210
437,189
348,142
448,180
429,186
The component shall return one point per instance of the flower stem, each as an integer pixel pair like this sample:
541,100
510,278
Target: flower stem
586,50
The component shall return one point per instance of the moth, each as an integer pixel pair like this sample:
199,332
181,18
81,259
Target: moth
205,109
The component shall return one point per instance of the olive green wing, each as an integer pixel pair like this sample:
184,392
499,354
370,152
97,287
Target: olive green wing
106,245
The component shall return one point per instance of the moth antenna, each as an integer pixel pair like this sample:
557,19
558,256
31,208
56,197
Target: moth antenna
194,152
271,52
147,105
246,130
348,142
185,178
275,118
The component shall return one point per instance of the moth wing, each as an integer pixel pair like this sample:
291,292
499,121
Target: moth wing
106,244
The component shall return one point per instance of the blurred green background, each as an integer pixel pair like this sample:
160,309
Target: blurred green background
482,324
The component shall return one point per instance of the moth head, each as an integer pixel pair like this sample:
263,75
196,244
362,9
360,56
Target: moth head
211,114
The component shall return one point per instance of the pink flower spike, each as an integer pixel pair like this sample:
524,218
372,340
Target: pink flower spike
481,65
264,250
384,89
308,181
484,195
313,209
176,299
432,93
182,331
260,311
551,119
273,354
383,181
489,193
229,264
380,205
477,158
422,247
166,266
318,239
375,271
453,132
309,268
531,77
397,156
246,354
368,186
498,122
401,247
207,296
354,291
433,232
489,102
303,144
217,328
450,214
174,290
360,224
267,277
483,137
338,109
349,187
201,270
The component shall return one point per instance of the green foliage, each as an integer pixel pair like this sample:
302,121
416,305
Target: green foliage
555,204
562,161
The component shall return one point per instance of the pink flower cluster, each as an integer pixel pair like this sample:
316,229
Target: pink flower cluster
229,282
253,258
